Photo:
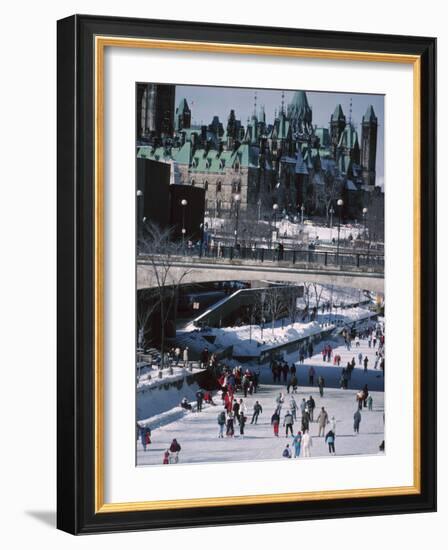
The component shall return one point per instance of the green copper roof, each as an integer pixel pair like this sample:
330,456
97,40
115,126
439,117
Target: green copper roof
370,115
338,113
183,106
299,107
348,137
183,156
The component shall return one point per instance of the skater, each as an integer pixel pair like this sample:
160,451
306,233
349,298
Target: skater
330,438
365,391
293,382
303,406
174,452
258,409
145,437
221,423
288,422
366,362
360,358
311,405
305,421
199,400
321,384
297,442
177,355
236,410
242,421
293,407
279,401
360,399
275,421
333,424
370,403
208,398
311,373
307,443
229,428
322,420
245,385
286,452
166,457
285,372
185,404
185,357
356,421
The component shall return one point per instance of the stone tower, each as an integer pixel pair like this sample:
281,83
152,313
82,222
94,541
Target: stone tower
368,145
155,109
183,116
337,126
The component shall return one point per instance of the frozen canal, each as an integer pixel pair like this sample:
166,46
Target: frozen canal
197,432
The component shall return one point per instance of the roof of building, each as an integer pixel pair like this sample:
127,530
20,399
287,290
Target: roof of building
370,115
299,107
349,137
338,113
183,106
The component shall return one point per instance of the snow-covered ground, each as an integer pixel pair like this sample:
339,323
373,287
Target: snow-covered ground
250,340
149,375
197,432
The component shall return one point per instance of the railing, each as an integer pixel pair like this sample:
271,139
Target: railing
323,258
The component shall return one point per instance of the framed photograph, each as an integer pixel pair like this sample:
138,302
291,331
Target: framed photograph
246,229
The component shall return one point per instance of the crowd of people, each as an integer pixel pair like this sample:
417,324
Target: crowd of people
292,417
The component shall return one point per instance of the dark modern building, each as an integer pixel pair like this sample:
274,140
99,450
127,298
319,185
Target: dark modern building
189,215
153,196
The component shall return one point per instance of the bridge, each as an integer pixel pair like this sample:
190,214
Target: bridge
362,271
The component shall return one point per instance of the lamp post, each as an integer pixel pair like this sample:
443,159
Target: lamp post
183,203
237,200
331,212
259,209
274,208
340,203
364,217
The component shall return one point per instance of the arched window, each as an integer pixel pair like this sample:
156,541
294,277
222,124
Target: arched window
206,185
219,187
193,183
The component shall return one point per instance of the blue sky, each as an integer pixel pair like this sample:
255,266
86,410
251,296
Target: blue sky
207,101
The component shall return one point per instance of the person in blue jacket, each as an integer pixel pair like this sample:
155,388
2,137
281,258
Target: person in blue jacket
297,443
330,438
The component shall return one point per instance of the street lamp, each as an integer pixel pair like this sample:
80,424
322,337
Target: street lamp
274,208
331,212
183,203
237,199
340,203
302,210
364,216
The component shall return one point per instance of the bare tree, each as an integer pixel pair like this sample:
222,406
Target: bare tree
275,303
292,293
146,305
318,289
158,250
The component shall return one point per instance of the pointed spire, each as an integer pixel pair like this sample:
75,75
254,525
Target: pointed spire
338,114
283,103
370,115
